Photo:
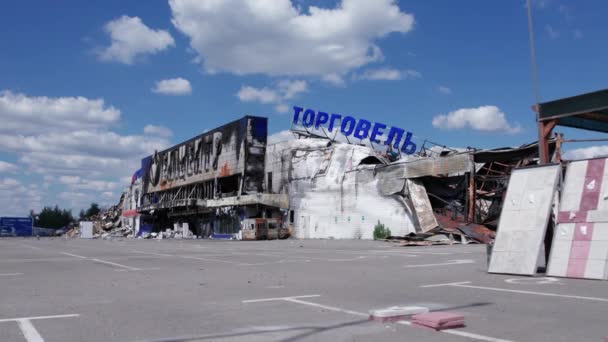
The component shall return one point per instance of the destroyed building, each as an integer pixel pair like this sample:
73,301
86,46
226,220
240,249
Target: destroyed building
314,187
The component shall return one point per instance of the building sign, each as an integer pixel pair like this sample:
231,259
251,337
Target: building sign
376,132
16,226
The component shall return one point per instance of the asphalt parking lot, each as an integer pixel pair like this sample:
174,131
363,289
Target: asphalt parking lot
289,290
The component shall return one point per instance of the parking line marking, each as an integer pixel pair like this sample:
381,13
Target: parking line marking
32,247
29,332
74,255
151,253
37,317
207,259
103,262
331,308
115,264
475,336
277,298
187,257
451,262
295,299
10,274
546,294
27,328
447,284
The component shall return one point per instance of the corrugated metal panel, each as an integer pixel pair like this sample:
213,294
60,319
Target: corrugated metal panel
457,163
580,242
523,220
422,205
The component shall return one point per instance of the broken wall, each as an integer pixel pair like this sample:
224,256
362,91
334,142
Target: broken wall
331,193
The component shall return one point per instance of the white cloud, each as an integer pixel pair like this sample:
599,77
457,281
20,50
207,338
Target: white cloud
586,153
21,114
553,33
173,86
69,179
334,79
108,194
6,167
67,143
130,38
281,108
444,90
16,199
261,95
160,131
277,95
280,136
484,118
388,74
289,89
276,37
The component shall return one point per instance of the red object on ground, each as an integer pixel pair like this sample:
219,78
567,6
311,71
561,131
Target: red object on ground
439,320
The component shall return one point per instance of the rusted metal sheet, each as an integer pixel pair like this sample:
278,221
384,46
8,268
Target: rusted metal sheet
580,241
422,205
524,218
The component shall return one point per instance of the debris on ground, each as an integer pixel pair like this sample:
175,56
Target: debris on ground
438,320
396,313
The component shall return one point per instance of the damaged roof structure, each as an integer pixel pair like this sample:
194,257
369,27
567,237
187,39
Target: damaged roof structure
315,187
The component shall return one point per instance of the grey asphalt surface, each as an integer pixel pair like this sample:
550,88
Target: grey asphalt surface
196,290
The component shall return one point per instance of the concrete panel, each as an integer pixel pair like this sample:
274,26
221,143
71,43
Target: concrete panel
600,232
564,231
595,269
598,250
558,267
584,197
523,220
598,215
573,186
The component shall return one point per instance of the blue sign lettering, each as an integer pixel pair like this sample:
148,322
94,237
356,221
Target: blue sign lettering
360,129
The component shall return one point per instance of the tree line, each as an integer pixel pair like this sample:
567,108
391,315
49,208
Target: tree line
55,217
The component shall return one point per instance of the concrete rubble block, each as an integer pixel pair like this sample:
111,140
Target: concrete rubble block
439,320
396,313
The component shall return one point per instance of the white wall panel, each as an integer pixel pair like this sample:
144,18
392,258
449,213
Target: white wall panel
523,220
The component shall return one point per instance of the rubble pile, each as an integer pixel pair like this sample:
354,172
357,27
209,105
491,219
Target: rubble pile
106,223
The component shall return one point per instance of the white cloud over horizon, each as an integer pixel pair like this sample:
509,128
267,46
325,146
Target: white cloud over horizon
268,37
6,167
277,94
586,152
68,143
174,86
131,38
160,131
483,118
444,90
387,74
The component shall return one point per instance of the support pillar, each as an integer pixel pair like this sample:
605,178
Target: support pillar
545,128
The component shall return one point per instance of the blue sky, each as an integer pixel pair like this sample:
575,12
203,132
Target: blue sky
80,81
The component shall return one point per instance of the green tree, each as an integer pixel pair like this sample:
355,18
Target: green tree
381,232
92,211
53,217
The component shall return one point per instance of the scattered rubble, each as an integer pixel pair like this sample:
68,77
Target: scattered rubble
438,320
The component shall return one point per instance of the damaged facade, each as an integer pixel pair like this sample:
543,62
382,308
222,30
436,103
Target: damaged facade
228,179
